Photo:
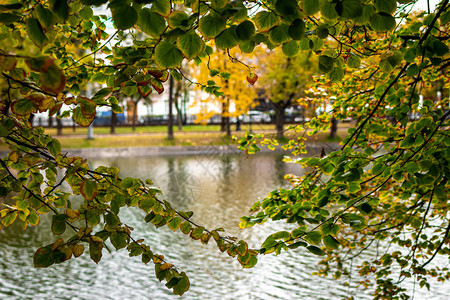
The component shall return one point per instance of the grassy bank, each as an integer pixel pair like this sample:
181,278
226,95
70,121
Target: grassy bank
156,136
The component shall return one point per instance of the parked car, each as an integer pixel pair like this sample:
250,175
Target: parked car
103,118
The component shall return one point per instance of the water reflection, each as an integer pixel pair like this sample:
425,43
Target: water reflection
218,189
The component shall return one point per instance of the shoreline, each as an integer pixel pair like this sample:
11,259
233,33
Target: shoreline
179,150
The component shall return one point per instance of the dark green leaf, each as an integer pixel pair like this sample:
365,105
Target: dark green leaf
245,30
311,7
112,219
265,20
290,48
6,18
210,26
191,45
151,23
119,239
330,242
297,29
382,22
60,8
124,17
59,224
43,257
167,55
313,237
315,250
227,39
182,285
36,33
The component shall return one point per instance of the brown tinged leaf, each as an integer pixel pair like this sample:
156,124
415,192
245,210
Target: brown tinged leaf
252,78
120,65
165,266
157,85
144,91
155,73
55,109
57,243
78,249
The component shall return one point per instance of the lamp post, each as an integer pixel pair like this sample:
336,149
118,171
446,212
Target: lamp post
90,135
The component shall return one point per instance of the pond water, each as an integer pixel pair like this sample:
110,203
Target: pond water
219,189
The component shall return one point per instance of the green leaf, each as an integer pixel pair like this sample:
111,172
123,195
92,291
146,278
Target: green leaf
247,46
54,147
265,20
245,30
251,262
147,203
336,74
185,227
45,16
95,251
218,4
23,107
242,248
59,224
328,10
330,242
36,33
349,9
197,232
60,8
7,19
353,61
43,257
387,6
112,219
279,34
412,167
129,88
161,7
227,39
88,189
368,11
290,48
315,250
9,218
182,286
382,22
82,119
286,7
119,239
191,45
175,223
104,93
366,208
439,48
313,237
412,70
151,23
3,131
167,55
297,29
124,17
326,63
210,26
86,13
322,31
311,7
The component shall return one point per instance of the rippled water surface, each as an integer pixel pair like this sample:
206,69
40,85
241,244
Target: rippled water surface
219,189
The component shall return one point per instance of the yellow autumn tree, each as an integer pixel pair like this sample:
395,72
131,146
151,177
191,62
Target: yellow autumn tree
228,70
285,80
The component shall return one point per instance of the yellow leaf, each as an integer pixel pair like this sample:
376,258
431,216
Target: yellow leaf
78,249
